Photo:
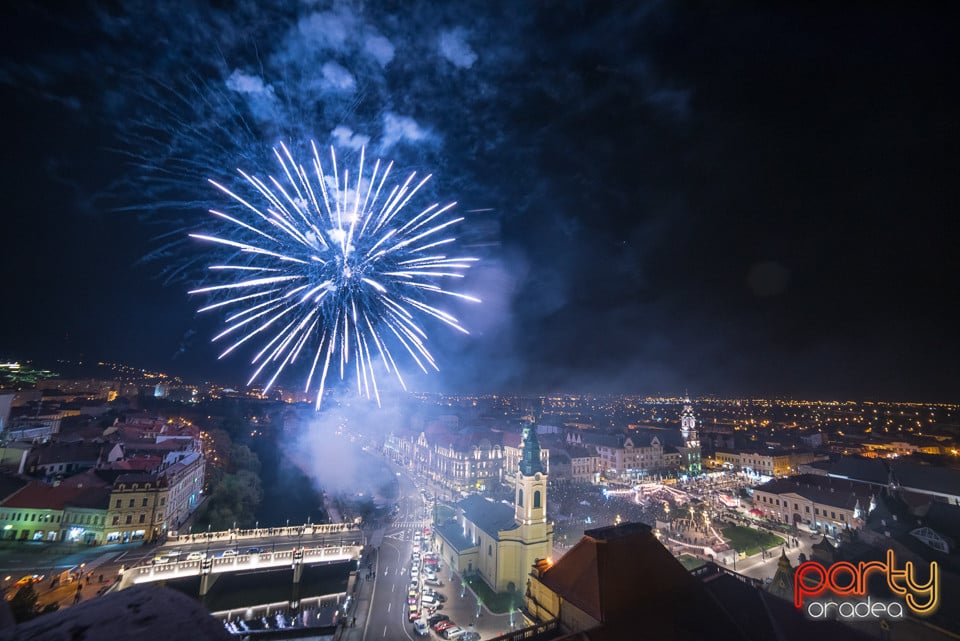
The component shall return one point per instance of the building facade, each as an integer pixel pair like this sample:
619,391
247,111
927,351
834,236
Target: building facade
825,504
498,542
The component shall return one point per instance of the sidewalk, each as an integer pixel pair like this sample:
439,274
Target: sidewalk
355,627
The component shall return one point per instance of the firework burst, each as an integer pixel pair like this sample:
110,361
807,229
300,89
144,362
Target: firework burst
329,269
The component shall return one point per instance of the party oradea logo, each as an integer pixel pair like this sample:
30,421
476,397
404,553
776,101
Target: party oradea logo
840,591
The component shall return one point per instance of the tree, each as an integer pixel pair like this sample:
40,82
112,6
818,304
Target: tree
243,458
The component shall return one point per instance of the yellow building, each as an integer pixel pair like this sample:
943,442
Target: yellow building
497,541
137,506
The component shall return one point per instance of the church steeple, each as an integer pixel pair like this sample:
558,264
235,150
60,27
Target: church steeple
531,490
530,462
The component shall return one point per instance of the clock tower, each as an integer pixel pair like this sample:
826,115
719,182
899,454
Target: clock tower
691,442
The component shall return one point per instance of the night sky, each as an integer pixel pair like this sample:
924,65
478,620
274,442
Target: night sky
666,196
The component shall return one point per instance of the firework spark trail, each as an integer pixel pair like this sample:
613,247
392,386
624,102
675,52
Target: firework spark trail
329,272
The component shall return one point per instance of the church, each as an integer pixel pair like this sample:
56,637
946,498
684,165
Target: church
498,541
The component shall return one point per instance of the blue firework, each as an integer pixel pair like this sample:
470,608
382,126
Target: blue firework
331,269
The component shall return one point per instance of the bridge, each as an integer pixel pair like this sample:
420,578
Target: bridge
341,532
209,569
310,544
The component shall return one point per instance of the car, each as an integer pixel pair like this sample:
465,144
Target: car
437,618
254,550
429,575
420,627
414,583
473,635
452,632
412,600
437,583
27,580
196,556
440,626
414,572
227,553
428,600
413,612
439,597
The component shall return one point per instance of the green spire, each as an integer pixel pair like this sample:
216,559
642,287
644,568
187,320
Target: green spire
530,462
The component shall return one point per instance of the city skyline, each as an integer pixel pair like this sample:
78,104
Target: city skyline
749,202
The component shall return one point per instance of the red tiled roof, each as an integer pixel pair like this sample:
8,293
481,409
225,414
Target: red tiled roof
40,496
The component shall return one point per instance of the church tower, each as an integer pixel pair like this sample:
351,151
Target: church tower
531,486
691,442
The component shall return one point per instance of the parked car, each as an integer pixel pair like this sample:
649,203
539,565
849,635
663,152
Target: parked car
227,553
437,583
413,612
437,618
440,626
196,556
453,632
420,627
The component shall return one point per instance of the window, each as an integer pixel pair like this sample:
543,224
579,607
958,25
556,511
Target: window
807,509
816,510
116,520
489,550
796,507
143,503
143,518
520,499
833,514
118,504
842,517
536,499
163,500
131,503
129,519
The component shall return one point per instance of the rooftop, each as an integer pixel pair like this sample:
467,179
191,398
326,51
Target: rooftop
488,515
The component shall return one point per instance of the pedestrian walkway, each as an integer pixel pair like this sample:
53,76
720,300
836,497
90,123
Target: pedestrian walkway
409,524
355,622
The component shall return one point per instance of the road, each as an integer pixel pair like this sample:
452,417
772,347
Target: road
388,609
